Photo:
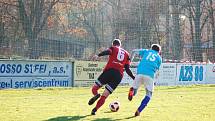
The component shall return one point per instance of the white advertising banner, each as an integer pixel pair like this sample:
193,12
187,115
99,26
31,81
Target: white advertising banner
31,74
210,75
167,74
86,72
191,74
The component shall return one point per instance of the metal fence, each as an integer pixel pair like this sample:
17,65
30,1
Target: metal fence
77,29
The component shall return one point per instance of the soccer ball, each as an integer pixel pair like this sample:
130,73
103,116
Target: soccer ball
114,106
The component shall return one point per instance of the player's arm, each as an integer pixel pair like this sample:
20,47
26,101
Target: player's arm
128,71
127,68
103,53
158,69
159,62
136,52
157,73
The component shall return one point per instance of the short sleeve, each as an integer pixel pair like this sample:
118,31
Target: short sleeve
111,50
142,51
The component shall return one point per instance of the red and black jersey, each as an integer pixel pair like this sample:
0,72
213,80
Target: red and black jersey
118,58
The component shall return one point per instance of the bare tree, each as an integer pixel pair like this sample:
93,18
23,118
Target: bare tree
177,47
196,9
9,26
33,17
211,11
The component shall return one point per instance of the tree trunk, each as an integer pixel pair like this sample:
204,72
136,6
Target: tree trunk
116,17
167,47
192,35
213,37
211,12
33,53
27,27
34,21
197,45
2,36
177,49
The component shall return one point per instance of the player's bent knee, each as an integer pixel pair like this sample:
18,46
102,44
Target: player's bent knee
148,93
98,83
106,93
135,91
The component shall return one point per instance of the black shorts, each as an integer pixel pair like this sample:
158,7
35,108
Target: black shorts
111,78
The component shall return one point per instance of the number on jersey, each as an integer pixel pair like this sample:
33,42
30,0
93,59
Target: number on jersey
151,56
121,55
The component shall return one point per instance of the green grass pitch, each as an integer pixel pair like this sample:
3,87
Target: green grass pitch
190,103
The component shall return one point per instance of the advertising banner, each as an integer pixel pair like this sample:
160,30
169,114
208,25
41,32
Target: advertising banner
31,74
87,72
210,75
191,74
167,74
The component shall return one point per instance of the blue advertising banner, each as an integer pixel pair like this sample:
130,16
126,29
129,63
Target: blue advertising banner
191,74
32,74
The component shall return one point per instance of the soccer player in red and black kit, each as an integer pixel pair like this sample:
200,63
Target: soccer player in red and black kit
112,73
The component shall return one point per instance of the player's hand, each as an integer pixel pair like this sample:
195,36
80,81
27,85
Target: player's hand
95,57
157,75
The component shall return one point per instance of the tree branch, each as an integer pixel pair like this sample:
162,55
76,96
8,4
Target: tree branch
204,22
12,16
33,9
9,4
54,2
25,19
38,16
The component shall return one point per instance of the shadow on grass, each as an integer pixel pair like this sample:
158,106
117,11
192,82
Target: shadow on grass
211,85
122,119
77,118
114,119
104,119
108,112
67,118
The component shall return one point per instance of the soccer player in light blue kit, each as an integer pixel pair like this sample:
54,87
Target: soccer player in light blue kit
146,71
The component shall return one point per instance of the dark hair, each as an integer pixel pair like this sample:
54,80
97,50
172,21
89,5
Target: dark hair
116,42
156,47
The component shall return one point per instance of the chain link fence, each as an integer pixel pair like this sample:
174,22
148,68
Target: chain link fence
77,29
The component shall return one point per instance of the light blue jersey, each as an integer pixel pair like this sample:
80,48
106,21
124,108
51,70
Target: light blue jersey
149,63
